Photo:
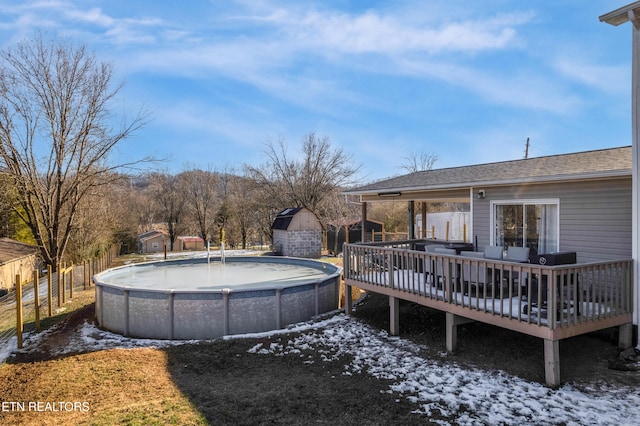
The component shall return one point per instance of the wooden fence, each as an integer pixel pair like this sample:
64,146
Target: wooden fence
44,295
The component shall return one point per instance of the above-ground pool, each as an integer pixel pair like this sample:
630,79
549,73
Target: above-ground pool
206,298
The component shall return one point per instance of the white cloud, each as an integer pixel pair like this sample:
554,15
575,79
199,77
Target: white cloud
372,32
91,16
524,89
607,78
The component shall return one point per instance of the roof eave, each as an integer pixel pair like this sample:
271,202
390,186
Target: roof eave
499,182
621,15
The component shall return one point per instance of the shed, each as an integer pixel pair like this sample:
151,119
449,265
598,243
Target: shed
152,241
190,243
16,258
297,232
337,233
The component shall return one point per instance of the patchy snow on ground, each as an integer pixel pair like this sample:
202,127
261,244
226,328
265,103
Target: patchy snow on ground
7,349
474,396
469,396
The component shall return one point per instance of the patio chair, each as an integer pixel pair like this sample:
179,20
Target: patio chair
441,265
474,275
564,285
429,264
517,254
493,252
520,255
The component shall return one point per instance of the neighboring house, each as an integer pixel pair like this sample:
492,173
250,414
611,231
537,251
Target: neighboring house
153,241
297,232
190,243
574,208
16,258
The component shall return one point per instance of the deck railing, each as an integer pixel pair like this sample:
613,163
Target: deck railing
567,299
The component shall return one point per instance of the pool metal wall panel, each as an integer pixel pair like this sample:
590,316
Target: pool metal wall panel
328,295
252,314
148,314
198,316
113,315
298,306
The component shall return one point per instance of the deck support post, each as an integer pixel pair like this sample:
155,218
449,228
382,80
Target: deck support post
348,302
452,323
451,332
394,316
552,362
625,336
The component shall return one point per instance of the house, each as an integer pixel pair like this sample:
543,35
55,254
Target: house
16,258
297,232
573,202
574,210
153,241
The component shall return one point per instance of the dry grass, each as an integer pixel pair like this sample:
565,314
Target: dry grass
107,387
115,386
132,386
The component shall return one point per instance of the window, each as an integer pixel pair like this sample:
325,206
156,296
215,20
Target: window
526,223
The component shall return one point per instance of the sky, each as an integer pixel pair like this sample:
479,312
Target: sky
466,81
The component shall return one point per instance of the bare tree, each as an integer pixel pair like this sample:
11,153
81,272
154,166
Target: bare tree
336,212
200,192
225,212
415,162
242,199
288,182
55,134
94,225
167,192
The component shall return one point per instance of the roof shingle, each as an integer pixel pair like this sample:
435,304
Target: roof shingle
582,165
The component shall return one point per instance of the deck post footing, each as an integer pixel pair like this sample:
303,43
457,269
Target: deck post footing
625,335
452,323
348,302
394,316
552,362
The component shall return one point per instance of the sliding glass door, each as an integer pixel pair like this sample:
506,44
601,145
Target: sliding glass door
530,223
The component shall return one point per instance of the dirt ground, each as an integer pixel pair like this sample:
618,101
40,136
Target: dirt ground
221,383
584,359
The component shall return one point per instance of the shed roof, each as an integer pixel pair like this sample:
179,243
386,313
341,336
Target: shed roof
597,164
11,249
154,233
283,219
191,239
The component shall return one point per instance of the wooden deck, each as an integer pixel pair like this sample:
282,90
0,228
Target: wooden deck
550,302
